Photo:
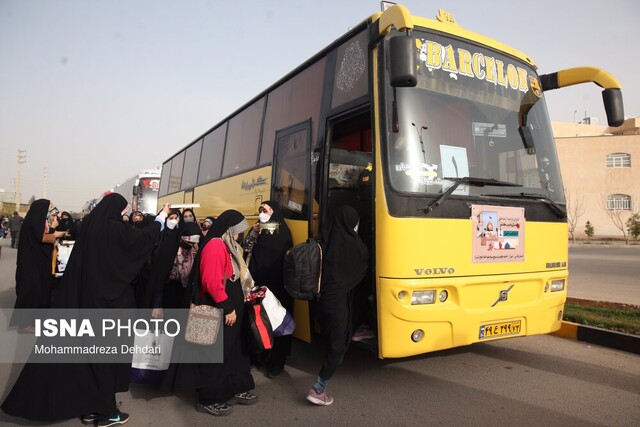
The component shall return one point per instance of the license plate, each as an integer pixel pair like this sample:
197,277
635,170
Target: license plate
502,329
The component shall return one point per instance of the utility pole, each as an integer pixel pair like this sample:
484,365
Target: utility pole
20,160
45,182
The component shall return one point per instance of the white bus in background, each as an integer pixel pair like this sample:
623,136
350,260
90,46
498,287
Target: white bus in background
141,191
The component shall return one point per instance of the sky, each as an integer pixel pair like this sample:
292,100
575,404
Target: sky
97,91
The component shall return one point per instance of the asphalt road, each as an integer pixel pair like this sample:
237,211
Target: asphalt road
605,273
529,381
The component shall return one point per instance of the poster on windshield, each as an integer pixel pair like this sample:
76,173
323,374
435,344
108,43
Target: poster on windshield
498,234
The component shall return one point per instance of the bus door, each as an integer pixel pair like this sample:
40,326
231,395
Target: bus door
350,182
291,190
350,164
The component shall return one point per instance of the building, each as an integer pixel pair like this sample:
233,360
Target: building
601,172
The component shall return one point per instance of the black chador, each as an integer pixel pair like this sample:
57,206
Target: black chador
106,257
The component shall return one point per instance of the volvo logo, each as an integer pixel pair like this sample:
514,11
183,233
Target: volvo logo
434,270
504,295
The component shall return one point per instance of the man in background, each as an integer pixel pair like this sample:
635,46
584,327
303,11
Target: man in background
15,223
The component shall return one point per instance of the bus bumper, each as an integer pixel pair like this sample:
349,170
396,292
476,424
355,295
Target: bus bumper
476,309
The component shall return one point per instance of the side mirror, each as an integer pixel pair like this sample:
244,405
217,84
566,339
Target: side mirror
402,56
612,99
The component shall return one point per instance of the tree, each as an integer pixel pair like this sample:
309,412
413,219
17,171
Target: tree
575,209
633,225
589,230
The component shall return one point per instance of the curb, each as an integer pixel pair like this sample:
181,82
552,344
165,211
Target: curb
599,336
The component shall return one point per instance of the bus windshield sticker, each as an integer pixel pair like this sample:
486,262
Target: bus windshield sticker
421,173
498,234
454,164
471,64
451,70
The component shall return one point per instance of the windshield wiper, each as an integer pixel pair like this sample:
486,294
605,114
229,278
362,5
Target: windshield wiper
556,208
476,182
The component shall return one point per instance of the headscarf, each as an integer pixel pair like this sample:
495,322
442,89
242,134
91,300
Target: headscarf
345,259
189,229
65,221
195,218
211,220
107,256
137,224
232,222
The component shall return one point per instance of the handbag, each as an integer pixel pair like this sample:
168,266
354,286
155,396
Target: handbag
260,330
203,324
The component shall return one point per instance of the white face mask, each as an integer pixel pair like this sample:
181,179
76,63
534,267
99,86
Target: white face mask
189,219
264,217
356,227
172,223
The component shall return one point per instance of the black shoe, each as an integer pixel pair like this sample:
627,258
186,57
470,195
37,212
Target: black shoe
118,420
274,372
89,418
245,398
216,409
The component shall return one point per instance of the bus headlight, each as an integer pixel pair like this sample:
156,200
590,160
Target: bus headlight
557,285
423,297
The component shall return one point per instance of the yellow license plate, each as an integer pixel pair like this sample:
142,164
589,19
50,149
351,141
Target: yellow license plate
502,329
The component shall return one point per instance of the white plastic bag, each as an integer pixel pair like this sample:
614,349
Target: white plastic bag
281,320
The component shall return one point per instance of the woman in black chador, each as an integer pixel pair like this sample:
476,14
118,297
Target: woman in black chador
219,275
106,257
34,262
344,265
267,249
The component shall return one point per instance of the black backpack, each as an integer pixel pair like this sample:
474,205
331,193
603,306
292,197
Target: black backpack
302,270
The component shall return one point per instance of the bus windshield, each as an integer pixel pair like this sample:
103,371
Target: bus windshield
462,120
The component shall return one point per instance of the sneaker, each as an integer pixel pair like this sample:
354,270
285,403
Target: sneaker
118,420
322,399
245,398
89,418
363,333
217,409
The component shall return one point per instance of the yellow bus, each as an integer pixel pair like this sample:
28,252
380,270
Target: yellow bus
462,201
